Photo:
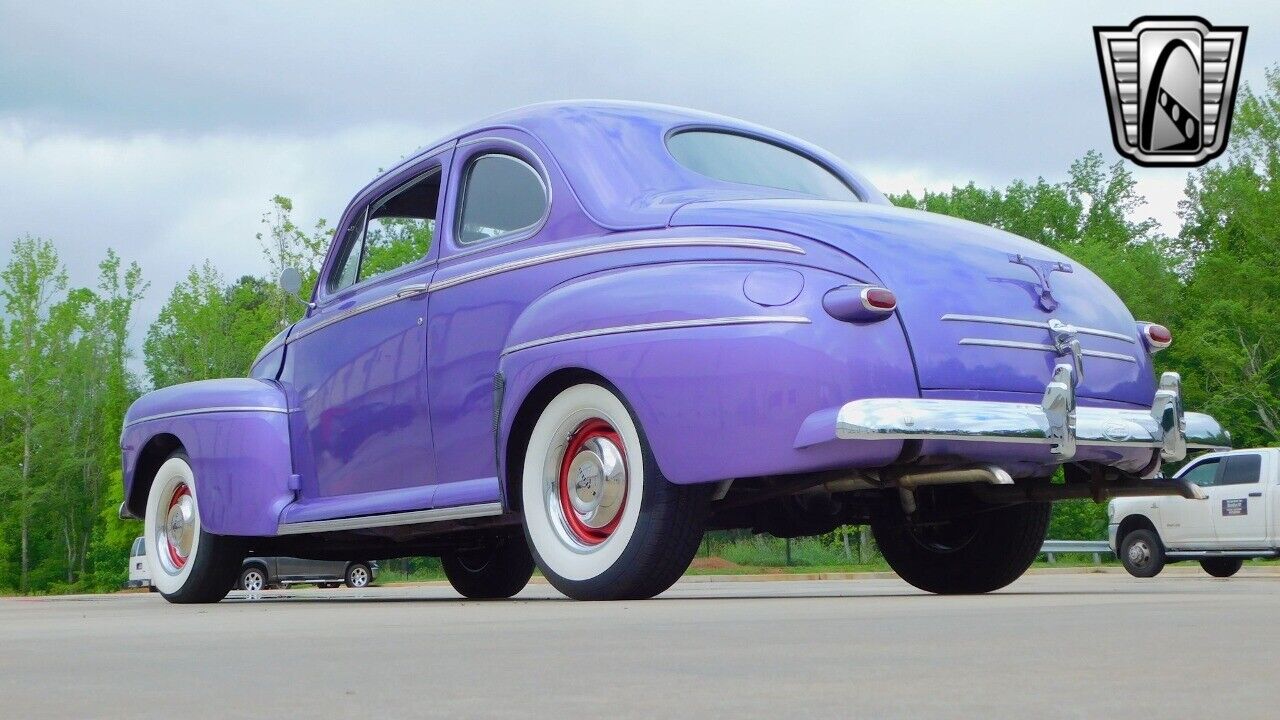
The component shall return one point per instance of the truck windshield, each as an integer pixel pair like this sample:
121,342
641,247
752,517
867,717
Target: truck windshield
741,159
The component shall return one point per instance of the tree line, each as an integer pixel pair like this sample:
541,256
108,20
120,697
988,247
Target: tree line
66,353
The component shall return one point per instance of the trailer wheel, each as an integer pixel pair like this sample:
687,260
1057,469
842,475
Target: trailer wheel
975,554
1222,567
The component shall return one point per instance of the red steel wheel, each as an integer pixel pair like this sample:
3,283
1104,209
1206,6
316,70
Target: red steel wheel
593,481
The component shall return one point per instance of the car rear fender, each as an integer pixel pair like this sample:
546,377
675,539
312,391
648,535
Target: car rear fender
235,434
721,362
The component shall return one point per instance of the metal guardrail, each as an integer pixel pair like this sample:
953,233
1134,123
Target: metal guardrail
1097,548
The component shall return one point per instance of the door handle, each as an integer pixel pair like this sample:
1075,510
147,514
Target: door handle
410,290
1256,494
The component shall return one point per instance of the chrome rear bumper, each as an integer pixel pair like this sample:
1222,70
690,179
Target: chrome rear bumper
1056,421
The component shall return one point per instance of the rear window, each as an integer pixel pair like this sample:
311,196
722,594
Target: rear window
741,159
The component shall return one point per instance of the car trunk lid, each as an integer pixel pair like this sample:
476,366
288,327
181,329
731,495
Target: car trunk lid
976,302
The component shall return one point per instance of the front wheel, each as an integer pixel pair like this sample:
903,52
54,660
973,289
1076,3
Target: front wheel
600,519
253,579
975,554
188,564
489,573
1222,567
1142,553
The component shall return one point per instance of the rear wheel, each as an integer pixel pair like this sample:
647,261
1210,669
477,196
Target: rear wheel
499,571
600,519
253,579
1142,553
359,575
188,564
1222,567
975,554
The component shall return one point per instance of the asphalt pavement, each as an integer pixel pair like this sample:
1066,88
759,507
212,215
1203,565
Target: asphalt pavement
1049,646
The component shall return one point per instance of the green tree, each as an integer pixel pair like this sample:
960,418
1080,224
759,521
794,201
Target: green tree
1227,346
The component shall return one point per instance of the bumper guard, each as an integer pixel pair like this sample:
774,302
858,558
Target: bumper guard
1056,421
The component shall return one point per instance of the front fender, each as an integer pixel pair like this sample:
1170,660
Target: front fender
716,400
235,433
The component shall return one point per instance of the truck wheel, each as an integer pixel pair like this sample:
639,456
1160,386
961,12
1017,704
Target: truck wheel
1142,554
189,565
976,554
358,575
489,573
253,579
1223,567
600,519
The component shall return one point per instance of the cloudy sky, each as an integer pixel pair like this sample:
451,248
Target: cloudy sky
162,129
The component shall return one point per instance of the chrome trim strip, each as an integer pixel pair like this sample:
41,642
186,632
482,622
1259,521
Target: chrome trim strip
403,293
412,517
668,325
206,411
1016,345
990,319
614,247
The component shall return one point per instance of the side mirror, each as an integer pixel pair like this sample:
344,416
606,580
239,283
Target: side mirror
291,281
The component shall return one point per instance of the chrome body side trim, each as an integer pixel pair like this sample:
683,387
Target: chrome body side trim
992,320
668,325
614,247
404,292
207,410
412,517
1016,345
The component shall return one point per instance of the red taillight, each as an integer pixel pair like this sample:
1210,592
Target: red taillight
860,303
1156,336
878,299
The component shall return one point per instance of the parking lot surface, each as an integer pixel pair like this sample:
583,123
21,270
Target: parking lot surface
1076,645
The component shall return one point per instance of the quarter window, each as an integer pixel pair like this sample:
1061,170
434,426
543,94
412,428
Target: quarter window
741,159
394,231
501,195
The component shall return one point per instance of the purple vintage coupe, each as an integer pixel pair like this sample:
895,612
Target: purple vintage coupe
578,335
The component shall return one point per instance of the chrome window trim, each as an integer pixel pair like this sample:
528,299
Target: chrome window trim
1033,324
613,247
206,411
1016,345
411,517
323,295
457,250
403,293
460,204
667,325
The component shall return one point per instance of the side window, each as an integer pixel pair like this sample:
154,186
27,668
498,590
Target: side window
1241,470
1203,474
500,195
394,231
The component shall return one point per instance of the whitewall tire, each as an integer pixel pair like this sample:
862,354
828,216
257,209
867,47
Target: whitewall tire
188,564
600,519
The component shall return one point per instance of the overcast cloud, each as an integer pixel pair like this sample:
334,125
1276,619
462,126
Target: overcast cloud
163,129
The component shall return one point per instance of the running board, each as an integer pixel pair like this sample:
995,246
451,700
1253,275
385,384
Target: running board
1201,554
412,517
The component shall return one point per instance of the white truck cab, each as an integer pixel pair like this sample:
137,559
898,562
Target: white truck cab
1235,520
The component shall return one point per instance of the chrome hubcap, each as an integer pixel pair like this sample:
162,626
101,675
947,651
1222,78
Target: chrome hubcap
591,489
359,577
176,533
253,581
1139,554
598,481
